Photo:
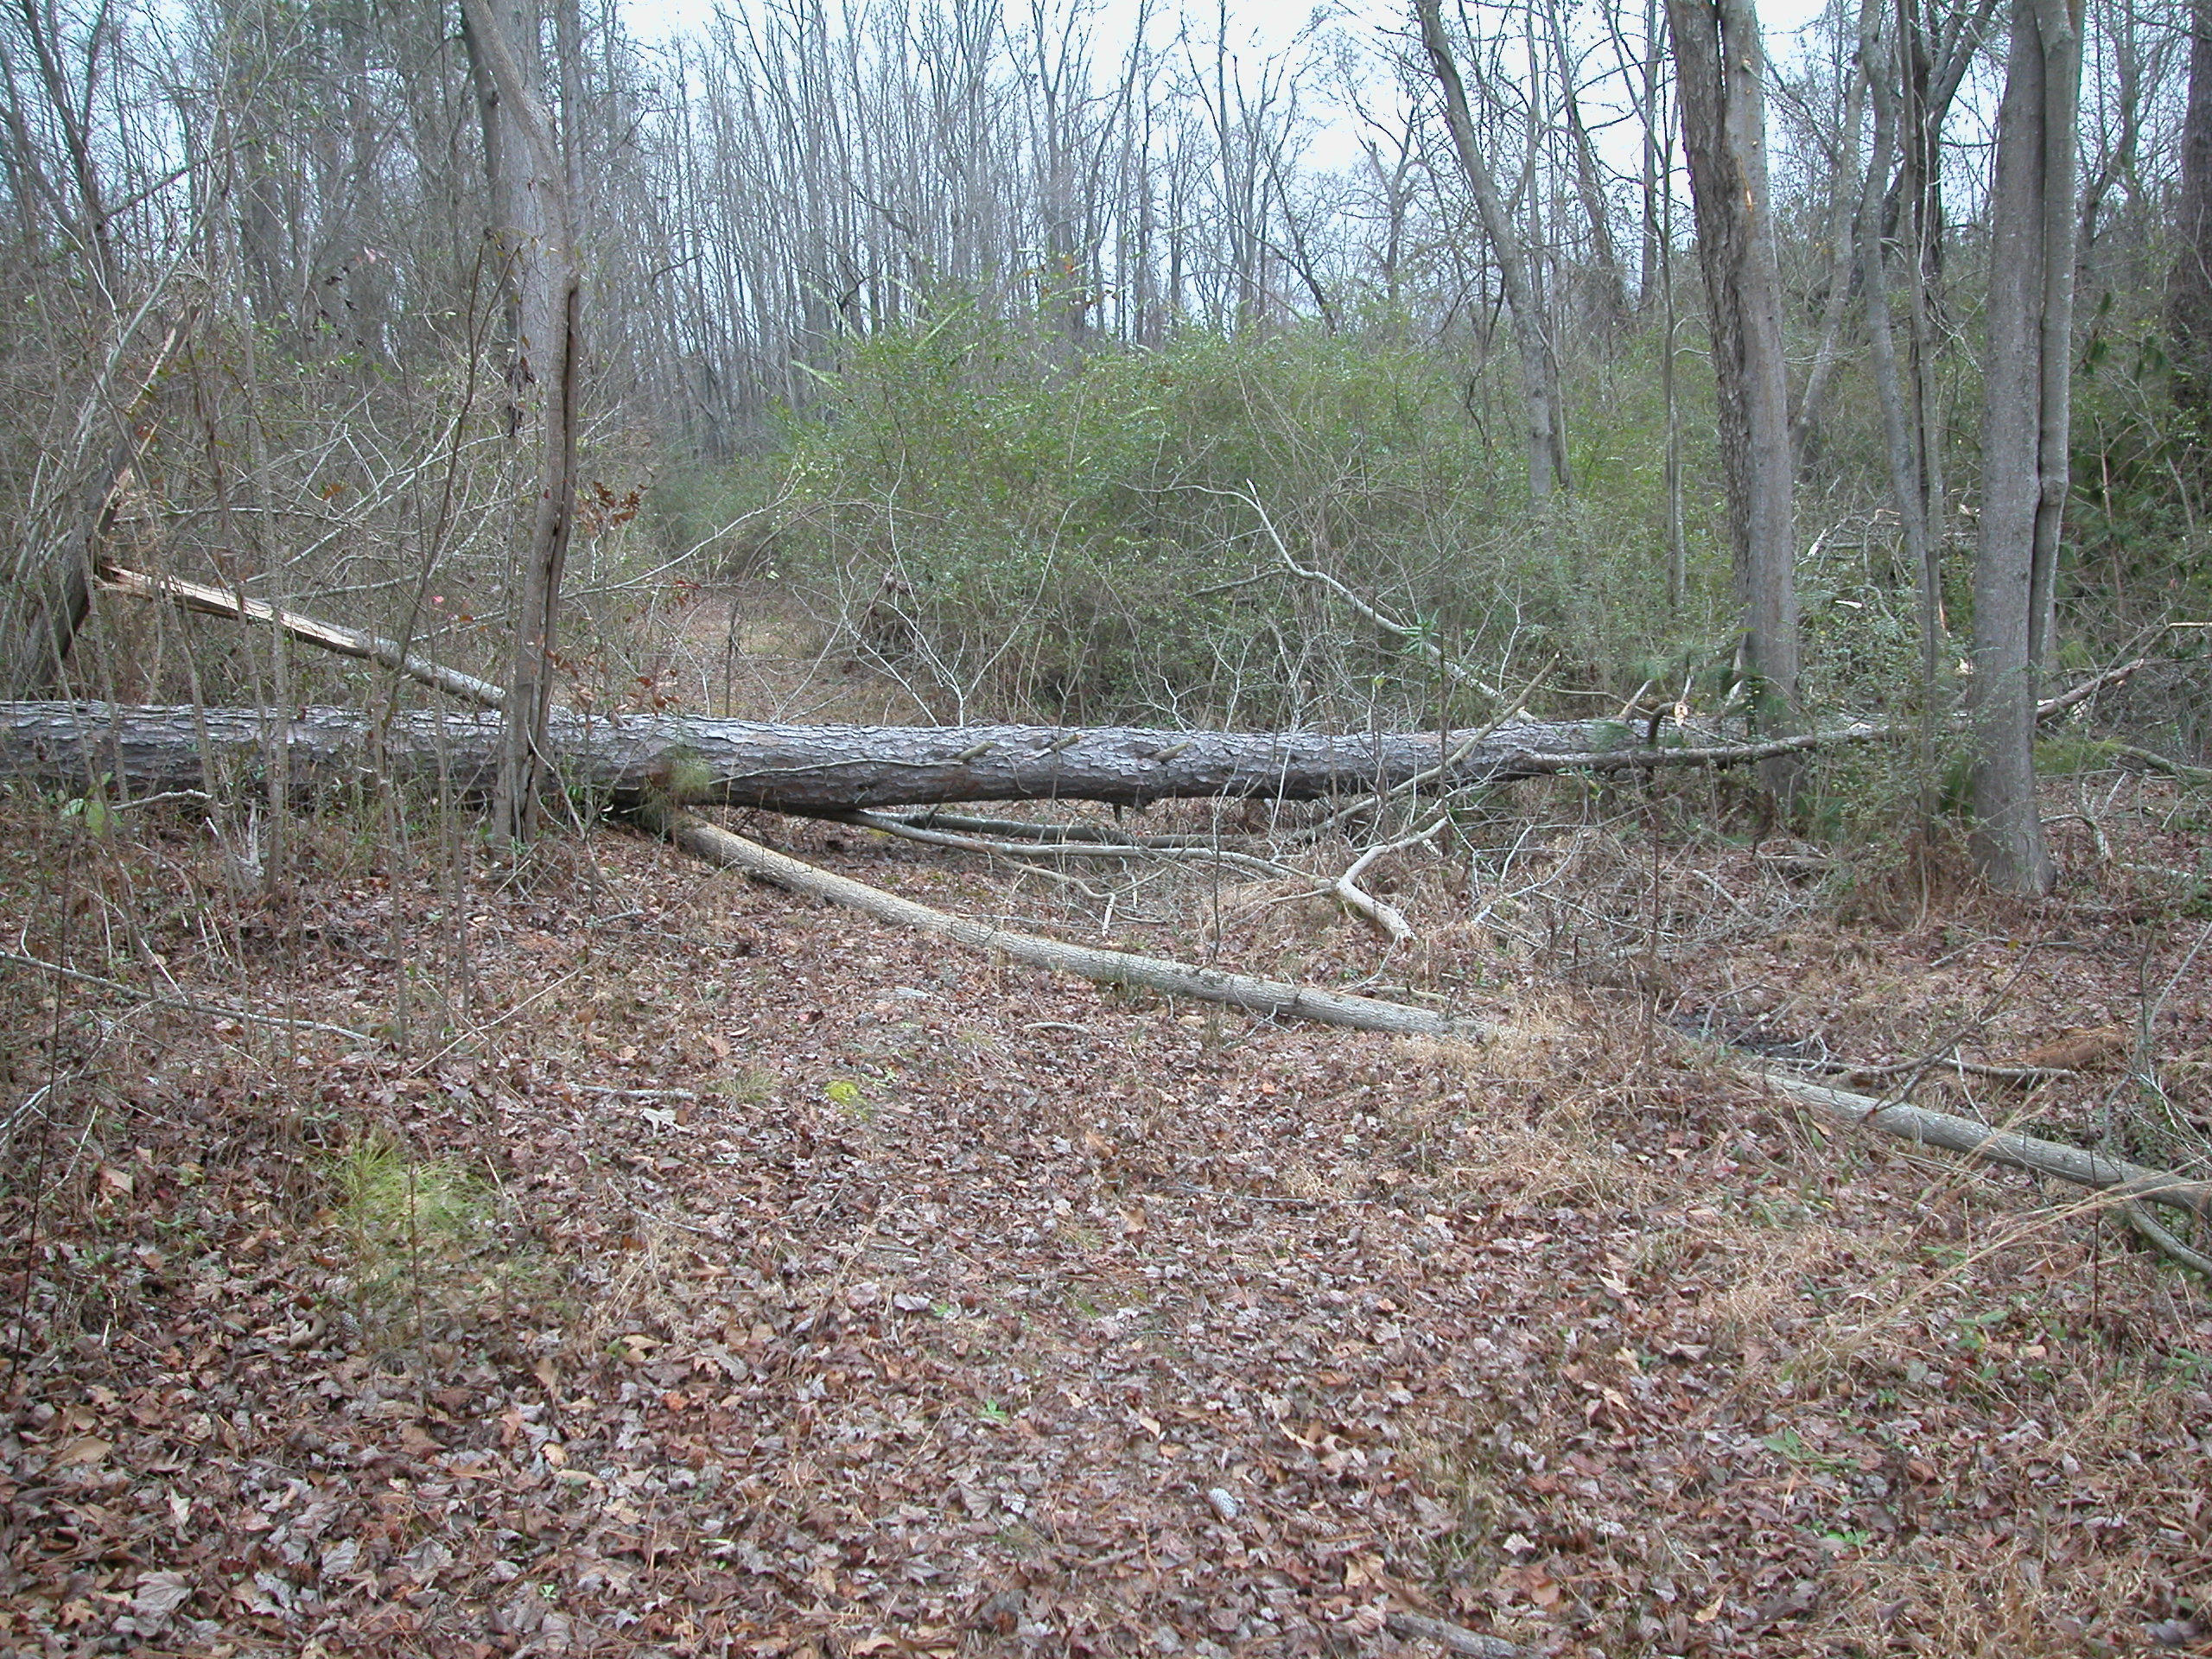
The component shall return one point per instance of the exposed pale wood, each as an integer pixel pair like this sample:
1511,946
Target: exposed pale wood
1279,999
1274,998
1385,919
346,642
2115,1176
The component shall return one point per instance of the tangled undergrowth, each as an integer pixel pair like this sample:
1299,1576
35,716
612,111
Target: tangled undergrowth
614,1257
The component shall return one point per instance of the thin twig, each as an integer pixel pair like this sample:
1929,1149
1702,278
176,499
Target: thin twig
1383,918
185,1004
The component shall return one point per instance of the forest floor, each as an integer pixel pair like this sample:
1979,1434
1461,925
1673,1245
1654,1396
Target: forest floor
673,1266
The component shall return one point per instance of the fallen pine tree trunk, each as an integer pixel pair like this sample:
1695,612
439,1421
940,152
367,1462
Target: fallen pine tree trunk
830,768
814,768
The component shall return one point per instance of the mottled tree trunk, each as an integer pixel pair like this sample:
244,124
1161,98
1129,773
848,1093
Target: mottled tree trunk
539,246
1720,63
2189,296
2023,432
783,768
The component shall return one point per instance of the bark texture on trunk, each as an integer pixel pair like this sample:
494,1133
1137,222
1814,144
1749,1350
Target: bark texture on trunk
535,239
2189,297
50,603
1720,61
2025,412
783,768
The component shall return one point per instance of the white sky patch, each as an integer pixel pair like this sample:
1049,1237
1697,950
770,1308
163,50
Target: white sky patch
1256,30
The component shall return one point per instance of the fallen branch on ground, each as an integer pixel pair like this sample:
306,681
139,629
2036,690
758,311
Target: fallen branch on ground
209,1010
1385,919
2116,1177
345,642
1452,1638
1052,834
1273,998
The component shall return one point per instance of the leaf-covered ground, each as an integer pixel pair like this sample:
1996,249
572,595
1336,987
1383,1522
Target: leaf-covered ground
675,1268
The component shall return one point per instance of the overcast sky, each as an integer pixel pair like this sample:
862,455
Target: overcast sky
1262,28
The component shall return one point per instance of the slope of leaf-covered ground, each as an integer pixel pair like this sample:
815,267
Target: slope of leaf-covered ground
672,1267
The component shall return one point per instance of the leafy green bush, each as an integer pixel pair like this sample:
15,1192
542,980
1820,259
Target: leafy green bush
1013,529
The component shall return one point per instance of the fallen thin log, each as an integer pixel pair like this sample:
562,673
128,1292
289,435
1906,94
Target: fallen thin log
1273,998
1056,833
1385,919
1277,999
2114,1176
346,642
1453,1638
213,1010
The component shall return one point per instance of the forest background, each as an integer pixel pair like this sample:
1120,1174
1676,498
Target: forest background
485,1210
996,348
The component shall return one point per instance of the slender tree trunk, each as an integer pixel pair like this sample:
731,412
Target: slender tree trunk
2023,432
1846,213
2189,296
1720,63
1901,443
53,598
1538,371
1678,551
1656,177
1611,286
538,244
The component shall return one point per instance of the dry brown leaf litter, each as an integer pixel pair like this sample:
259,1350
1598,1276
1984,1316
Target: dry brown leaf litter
830,1293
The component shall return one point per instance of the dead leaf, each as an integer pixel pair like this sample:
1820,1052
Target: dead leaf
159,1595
85,1448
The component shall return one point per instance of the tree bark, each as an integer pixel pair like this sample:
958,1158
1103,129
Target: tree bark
2189,297
2024,425
43,615
537,242
1720,63
783,768
1547,469
833,769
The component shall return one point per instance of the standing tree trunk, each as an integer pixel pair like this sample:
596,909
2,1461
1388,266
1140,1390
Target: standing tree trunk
1720,64
1902,438
1531,337
2023,432
42,614
537,244
2189,298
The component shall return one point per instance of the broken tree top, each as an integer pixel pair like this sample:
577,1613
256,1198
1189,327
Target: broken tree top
806,768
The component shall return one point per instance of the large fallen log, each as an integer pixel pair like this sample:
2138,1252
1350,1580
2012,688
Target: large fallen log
826,768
